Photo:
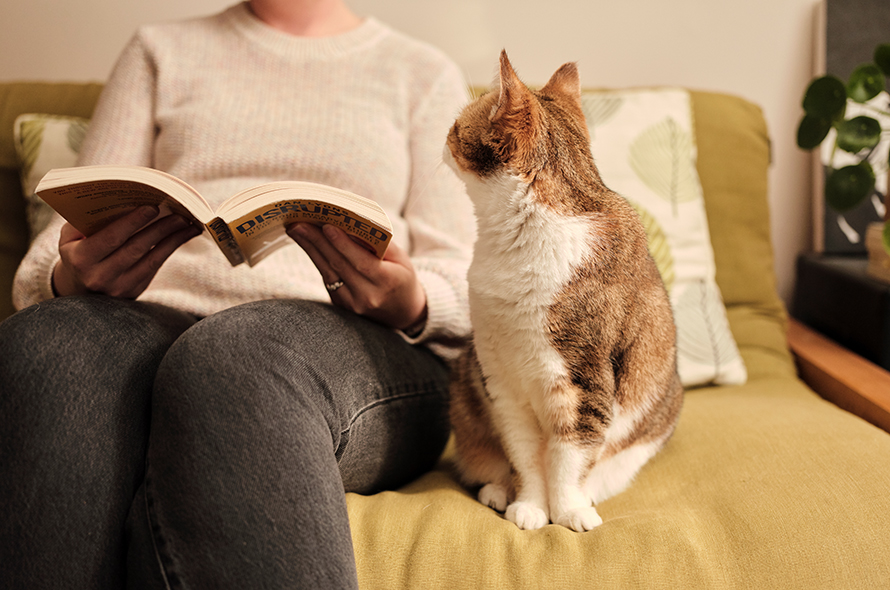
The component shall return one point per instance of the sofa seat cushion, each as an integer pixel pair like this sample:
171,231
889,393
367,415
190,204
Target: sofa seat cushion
763,486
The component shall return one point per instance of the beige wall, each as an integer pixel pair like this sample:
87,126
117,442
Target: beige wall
758,49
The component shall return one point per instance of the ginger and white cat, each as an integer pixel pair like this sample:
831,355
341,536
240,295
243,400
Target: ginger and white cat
570,384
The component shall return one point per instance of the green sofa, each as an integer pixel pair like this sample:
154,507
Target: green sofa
764,485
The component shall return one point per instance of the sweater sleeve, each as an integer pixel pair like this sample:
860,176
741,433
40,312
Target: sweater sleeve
440,216
121,131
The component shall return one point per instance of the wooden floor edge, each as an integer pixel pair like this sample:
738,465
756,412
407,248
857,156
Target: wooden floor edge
840,376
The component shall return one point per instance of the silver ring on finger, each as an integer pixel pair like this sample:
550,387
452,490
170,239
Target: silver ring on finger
331,287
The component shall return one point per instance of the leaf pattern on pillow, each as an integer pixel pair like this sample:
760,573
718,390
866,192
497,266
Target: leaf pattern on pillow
703,340
598,109
30,140
658,245
661,157
43,142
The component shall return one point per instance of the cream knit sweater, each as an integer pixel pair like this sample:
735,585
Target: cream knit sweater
226,102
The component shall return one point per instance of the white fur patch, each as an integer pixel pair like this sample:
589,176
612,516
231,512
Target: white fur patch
624,422
567,461
613,475
525,254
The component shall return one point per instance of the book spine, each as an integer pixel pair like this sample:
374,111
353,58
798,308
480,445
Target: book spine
223,237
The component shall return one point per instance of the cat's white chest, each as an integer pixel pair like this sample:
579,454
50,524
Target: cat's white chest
522,262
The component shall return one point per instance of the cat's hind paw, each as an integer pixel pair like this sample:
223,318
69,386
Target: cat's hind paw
580,519
526,516
494,496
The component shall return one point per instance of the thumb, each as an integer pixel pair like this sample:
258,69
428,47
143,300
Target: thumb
394,253
69,234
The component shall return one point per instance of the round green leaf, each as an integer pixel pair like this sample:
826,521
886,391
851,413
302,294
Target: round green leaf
847,187
866,82
825,98
857,134
811,131
882,58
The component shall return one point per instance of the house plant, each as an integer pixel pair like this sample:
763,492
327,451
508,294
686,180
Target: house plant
852,118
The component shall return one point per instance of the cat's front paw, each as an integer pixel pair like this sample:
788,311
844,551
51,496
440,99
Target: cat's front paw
494,496
580,519
526,516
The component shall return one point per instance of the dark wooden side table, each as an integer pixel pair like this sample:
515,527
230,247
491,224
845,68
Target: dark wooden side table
835,296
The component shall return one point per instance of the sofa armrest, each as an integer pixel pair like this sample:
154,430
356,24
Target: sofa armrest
840,376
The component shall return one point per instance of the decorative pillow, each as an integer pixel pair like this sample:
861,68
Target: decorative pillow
644,145
44,142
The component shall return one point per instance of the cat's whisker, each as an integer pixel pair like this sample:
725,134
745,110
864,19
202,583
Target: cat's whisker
423,185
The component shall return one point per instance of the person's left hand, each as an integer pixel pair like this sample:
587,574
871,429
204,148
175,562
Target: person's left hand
386,290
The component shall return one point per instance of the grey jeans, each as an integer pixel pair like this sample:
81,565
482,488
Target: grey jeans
142,447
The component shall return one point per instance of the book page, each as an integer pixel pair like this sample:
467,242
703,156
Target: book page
91,197
262,231
91,206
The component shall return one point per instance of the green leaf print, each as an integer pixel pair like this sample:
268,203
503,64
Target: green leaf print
598,109
658,245
661,156
698,313
30,137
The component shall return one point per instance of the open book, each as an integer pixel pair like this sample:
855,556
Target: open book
247,227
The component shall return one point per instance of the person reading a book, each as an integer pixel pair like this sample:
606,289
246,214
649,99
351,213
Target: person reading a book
171,420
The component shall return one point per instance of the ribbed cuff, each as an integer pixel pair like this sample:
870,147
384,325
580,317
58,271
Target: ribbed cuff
447,312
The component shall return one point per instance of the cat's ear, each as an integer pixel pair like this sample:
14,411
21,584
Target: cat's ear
565,86
565,80
515,101
515,119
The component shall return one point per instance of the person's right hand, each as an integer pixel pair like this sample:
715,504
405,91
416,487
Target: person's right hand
121,259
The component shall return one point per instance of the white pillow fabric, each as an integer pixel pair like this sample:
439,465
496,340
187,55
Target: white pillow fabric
643,142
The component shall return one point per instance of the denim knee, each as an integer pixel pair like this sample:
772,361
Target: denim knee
76,377
95,343
301,366
248,353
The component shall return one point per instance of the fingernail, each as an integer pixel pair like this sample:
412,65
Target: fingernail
330,231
